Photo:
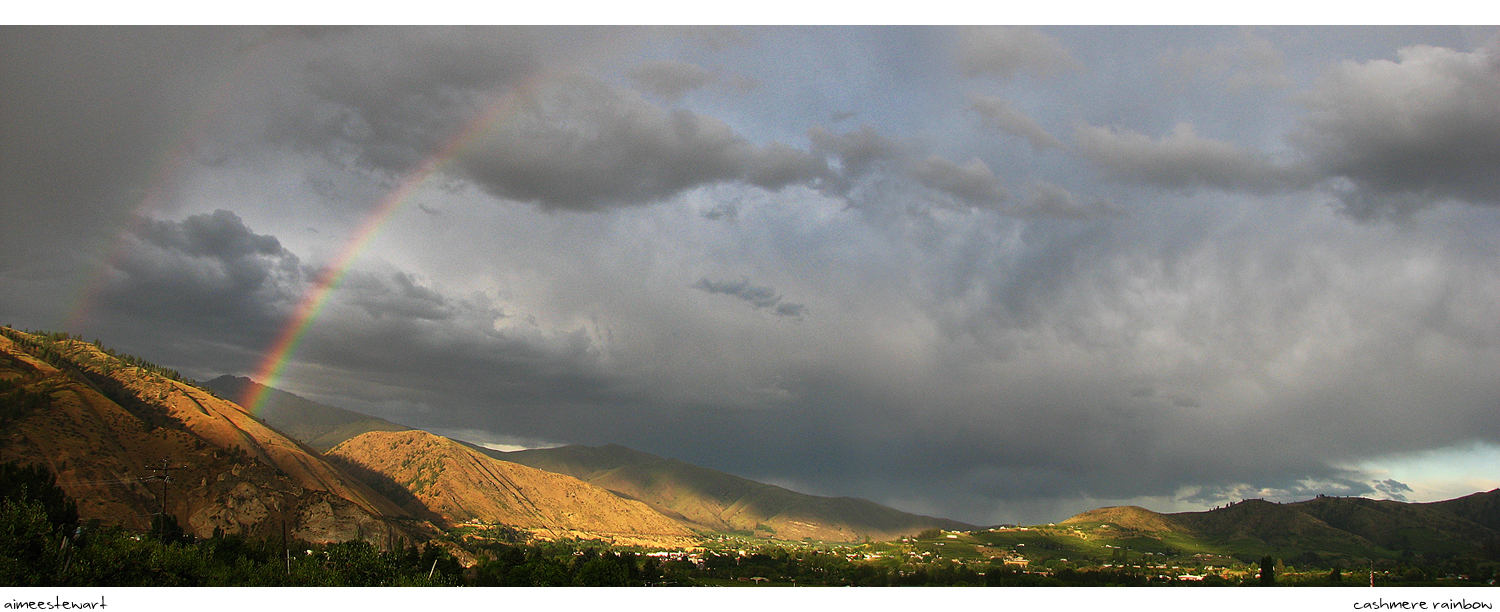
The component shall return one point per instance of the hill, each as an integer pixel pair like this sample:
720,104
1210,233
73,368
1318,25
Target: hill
459,485
1128,518
318,425
1480,508
713,501
105,425
1260,527
1314,531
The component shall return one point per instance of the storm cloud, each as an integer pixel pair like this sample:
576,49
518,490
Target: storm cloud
209,267
995,274
1406,134
558,140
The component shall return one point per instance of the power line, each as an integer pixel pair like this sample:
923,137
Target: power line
166,477
91,483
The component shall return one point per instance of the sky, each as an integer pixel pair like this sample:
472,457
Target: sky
999,274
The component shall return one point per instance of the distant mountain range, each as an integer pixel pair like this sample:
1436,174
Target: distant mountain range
701,499
713,501
127,439
1332,527
372,467
318,425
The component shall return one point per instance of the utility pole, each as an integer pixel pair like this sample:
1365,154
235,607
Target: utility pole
165,477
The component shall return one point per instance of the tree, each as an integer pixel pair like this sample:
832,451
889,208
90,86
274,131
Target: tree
29,551
604,570
28,483
1267,571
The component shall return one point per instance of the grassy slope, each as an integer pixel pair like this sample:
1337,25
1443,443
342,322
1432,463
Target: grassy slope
1328,526
462,485
715,501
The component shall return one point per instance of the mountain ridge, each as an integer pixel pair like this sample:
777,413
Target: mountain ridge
461,485
1322,526
318,425
714,501
102,423
702,499
109,428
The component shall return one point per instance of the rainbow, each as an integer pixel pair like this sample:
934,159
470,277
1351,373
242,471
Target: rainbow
274,362
168,171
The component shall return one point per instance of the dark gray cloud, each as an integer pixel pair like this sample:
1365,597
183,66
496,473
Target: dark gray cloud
397,295
671,79
407,342
220,235
857,152
1387,138
559,140
757,296
760,297
396,105
206,269
593,147
1393,489
1408,133
970,184
788,309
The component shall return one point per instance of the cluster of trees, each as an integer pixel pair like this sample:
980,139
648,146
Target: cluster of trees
43,345
54,348
544,565
35,552
42,543
19,397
